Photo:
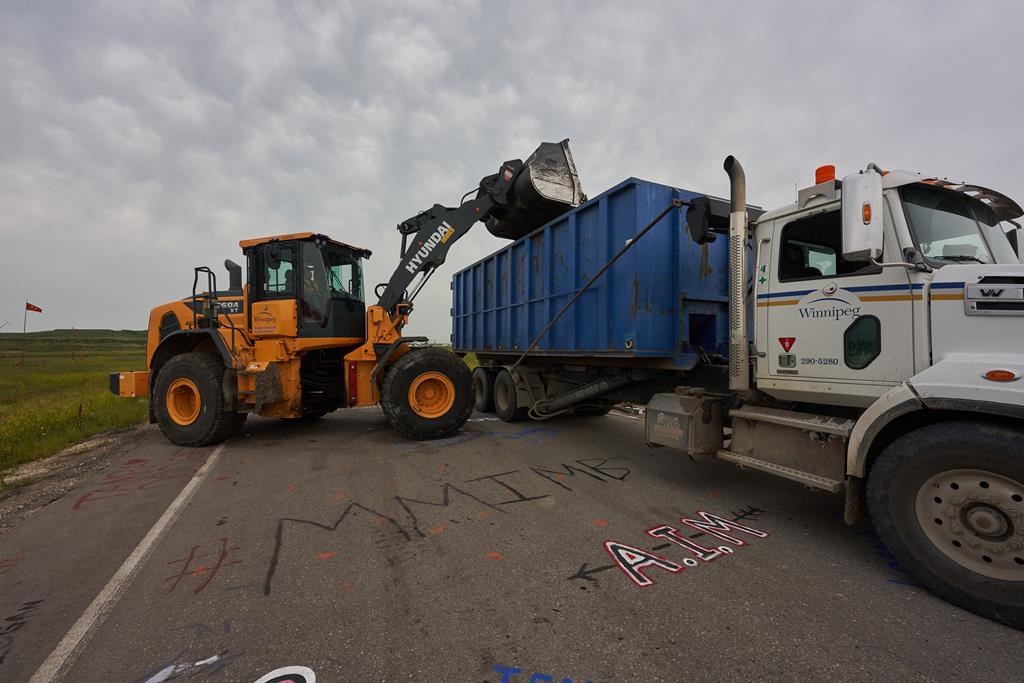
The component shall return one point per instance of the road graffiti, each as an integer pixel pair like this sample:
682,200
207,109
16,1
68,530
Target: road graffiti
289,674
495,493
9,563
511,674
206,572
588,573
203,638
633,561
141,474
13,624
901,576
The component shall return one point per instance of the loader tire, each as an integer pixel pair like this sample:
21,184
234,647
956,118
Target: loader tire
947,499
506,405
188,400
427,394
483,386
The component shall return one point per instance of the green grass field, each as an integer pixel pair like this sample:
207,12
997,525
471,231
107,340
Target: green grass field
54,389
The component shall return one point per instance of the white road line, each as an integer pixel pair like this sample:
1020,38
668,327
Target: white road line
67,651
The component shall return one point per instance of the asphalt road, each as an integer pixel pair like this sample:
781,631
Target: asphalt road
341,547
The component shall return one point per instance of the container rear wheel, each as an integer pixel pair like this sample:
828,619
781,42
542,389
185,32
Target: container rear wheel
188,401
483,385
948,500
427,393
506,402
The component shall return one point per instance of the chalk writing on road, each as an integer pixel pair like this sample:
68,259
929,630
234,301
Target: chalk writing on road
9,563
204,638
900,576
632,560
289,674
511,674
141,474
588,573
497,493
206,572
13,624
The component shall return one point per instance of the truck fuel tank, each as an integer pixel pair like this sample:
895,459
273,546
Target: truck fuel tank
545,187
687,420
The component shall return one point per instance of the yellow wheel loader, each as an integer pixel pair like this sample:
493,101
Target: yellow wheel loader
297,341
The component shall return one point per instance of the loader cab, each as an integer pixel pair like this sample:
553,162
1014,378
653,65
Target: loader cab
307,286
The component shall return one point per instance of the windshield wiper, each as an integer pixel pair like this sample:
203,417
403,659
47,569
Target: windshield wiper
962,258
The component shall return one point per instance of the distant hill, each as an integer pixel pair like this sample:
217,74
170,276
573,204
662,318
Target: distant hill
70,339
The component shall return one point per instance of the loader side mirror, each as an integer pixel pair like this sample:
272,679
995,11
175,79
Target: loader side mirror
862,216
273,258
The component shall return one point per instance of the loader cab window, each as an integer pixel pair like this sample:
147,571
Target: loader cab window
276,272
316,296
344,272
811,249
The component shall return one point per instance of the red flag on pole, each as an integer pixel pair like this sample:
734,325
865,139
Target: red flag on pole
33,308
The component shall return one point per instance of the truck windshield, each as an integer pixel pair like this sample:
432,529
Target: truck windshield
951,227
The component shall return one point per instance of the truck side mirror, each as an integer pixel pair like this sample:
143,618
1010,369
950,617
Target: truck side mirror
707,216
862,216
698,221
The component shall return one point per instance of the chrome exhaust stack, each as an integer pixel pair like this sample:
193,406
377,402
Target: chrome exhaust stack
739,353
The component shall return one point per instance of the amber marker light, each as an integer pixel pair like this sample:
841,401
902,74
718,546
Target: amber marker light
865,213
1001,375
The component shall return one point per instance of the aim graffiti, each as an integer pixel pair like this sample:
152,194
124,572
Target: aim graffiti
633,561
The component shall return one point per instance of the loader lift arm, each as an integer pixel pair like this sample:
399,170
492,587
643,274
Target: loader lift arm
516,200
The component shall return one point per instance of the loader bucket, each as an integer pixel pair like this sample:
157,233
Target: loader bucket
545,188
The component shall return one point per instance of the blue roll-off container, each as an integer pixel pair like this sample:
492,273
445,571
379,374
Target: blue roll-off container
661,305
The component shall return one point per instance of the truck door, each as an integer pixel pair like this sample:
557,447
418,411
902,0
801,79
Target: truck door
831,321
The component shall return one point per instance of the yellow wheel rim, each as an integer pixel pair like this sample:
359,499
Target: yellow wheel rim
431,395
183,401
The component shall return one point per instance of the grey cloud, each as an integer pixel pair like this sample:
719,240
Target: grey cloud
140,139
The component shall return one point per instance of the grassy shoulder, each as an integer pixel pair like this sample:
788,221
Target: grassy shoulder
54,389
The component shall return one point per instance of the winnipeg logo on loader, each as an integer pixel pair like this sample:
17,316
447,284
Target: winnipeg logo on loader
442,234
830,304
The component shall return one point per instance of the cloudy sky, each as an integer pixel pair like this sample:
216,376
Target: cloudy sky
139,139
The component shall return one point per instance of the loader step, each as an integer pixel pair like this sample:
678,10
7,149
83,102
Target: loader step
807,422
812,480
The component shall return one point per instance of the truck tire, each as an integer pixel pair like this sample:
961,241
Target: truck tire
483,386
427,394
188,401
505,398
947,501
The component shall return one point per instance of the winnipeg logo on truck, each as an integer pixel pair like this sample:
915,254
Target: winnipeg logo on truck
442,234
830,304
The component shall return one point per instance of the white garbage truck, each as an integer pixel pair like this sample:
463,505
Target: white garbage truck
884,361
865,339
